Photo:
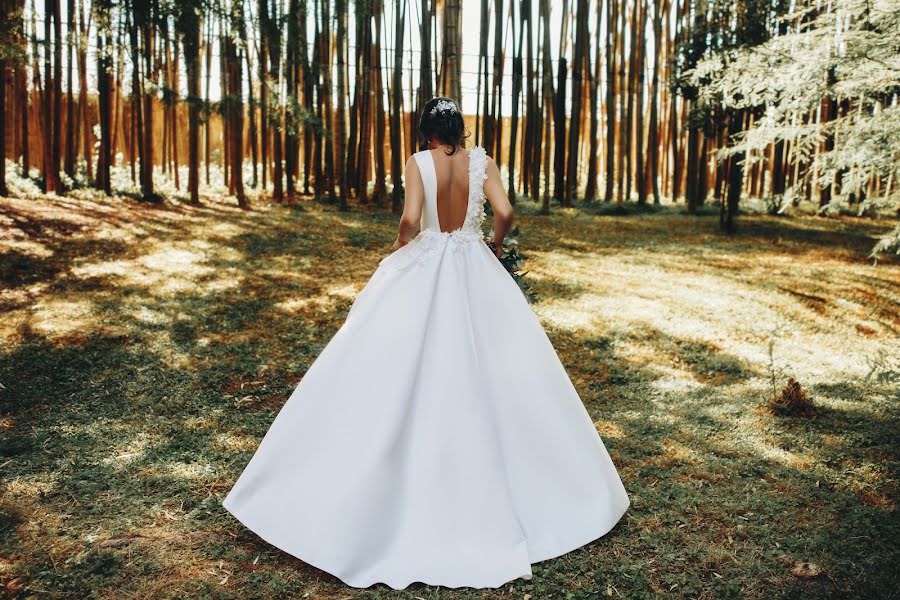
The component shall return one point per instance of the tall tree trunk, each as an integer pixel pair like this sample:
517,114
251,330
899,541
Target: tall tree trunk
359,156
547,100
590,192
559,112
640,42
516,88
4,191
251,113
57,96
22,73
531,164
396,114
628,123
335,124
49,184
71,34
653,141
578,56
234,102
271,30
341,13
379,192
306,86
612,31
291,72
263,59
692,192
143,21
104,65
189,25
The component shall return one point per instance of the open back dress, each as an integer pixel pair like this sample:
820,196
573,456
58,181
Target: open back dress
437,437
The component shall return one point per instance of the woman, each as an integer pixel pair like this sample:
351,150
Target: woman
437,437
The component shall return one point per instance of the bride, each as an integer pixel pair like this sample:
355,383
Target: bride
437,438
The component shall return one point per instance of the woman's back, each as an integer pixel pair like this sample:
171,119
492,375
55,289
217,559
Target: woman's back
452,187
446,187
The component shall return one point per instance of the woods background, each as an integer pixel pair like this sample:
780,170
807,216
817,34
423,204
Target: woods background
682,100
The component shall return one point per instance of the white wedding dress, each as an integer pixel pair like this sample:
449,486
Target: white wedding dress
437,437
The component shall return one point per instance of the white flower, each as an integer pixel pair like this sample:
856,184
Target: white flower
444,106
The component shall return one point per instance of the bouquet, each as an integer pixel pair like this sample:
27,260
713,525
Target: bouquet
512,260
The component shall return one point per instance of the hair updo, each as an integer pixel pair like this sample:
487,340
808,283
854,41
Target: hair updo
442,120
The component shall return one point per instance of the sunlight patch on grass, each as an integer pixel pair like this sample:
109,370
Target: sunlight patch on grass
682,453
26,246
750,431
229,279
162,343
674,381
233,442
297,304
176,262
226,229
609,429
28,488
194,470
144,314
346,292
61,317
129,452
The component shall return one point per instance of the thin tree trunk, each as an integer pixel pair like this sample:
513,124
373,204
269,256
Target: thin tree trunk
653,141
396,115
335,123
70,98
379,192
612,30
547,100
581,35
590,192
190,30
263,94
341,14
640,43
103,10
234,103
516,88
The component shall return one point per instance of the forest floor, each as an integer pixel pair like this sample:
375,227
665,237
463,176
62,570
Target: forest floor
144,351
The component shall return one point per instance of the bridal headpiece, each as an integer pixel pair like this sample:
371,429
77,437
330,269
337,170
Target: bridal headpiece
444,106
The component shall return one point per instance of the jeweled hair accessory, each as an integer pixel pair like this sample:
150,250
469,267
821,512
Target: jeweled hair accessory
444,106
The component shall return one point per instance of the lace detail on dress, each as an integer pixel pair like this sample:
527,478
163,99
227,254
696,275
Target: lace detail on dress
475,214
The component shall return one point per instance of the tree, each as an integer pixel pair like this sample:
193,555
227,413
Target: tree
103,17
559,111
547,98
341,13
233,102
396,110
270,30
189,26
578,66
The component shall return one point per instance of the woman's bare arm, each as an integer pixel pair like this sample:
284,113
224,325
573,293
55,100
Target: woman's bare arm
503,210
412,204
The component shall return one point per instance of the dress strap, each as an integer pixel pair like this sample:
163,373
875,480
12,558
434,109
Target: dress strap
425,162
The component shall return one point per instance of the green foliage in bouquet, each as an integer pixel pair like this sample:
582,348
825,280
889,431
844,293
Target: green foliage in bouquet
513,261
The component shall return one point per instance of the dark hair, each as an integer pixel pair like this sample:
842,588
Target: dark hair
445,125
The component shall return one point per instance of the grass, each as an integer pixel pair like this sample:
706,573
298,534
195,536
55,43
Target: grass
144,351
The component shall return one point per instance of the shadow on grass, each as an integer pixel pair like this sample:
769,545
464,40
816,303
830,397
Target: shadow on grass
134,427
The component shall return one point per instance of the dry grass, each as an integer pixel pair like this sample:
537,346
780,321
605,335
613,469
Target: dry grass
146,349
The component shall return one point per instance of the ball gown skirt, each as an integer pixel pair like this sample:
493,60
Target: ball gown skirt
437,438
